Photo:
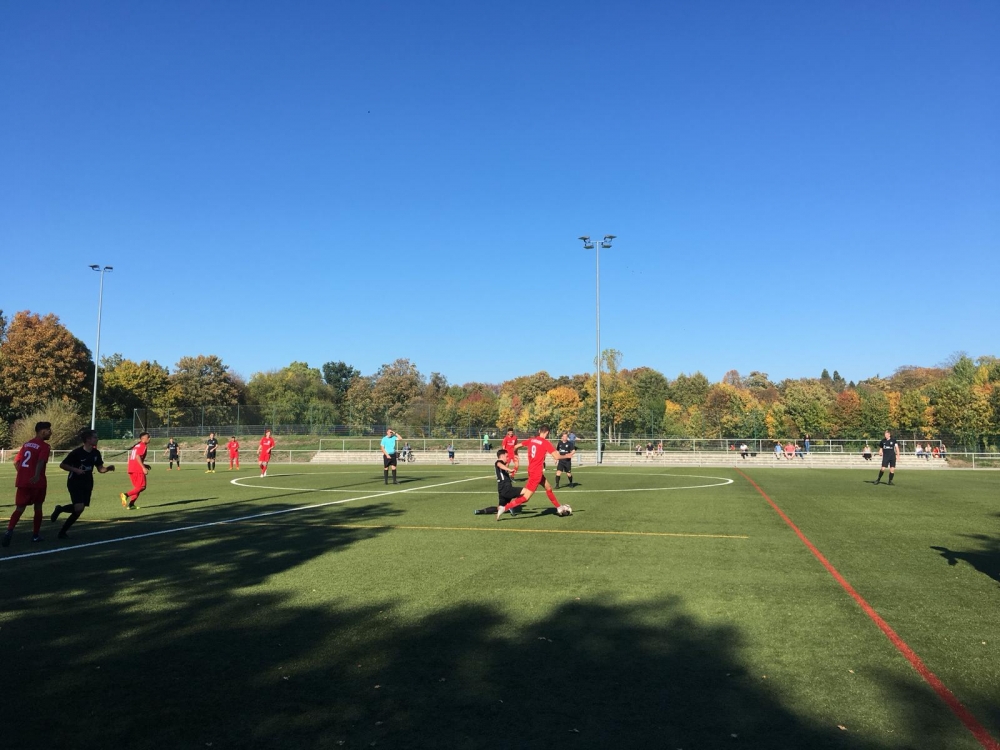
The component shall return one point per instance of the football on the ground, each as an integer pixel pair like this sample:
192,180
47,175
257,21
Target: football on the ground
564,510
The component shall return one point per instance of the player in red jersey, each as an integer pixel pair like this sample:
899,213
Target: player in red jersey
509,444
233,446
538,447
137,471
30,481
264,451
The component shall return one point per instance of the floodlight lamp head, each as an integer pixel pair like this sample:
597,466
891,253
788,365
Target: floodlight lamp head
95,267
608,237
585,238
109,268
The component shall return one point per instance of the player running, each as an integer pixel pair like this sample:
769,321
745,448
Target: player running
538,447
509,444
30,481
233,446
888,449
264,452
137,471
80,464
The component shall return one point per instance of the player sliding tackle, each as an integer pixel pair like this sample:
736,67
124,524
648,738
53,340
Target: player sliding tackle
537,447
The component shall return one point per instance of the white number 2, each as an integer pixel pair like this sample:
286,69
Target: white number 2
27,460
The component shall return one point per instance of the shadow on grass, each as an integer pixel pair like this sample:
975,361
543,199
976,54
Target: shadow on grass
986,559
190,643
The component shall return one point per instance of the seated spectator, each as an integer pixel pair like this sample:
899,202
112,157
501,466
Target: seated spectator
777,450
798,452
744,450
866,452
649,449
927,451
790,451
659,448
936,452
944,451
638,449
920,450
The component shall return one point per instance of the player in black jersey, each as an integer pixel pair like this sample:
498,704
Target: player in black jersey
564,446
81,465
888,449
506,491
211,446
173,454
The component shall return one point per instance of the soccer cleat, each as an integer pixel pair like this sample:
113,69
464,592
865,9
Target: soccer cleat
55,513
63,535
209,471
877,481
133,506
37,538
395,482
6,539
500,511
124,499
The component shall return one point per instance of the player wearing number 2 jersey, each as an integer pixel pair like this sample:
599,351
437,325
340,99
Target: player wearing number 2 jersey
30,481
538,447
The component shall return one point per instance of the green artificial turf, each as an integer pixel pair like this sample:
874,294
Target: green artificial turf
660,614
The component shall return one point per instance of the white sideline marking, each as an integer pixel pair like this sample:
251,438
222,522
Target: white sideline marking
225,521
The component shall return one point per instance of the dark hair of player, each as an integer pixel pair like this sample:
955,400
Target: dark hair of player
86,434
39,426
543,428
141,434
501,452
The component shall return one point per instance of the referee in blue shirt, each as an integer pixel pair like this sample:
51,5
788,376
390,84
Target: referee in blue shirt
389,454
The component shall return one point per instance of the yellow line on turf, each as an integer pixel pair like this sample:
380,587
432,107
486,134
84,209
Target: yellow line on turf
536,531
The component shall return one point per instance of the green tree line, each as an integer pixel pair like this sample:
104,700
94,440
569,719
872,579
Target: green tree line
41,362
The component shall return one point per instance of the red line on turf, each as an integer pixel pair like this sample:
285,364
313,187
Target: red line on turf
964,715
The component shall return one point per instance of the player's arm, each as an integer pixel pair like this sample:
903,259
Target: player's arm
39,470
503,465
558,456
71,469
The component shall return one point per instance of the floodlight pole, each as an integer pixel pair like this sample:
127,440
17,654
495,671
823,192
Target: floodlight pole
97,351
588,245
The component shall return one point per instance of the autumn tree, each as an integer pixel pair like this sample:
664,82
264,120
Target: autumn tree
296,393
203,381
394,386
339,376
41,360
126,385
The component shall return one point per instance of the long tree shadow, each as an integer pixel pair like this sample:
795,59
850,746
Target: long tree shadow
186,643
986,559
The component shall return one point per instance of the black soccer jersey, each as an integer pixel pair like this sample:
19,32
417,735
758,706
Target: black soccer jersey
212,444
86,460
172,448
564,448
503,476
888,446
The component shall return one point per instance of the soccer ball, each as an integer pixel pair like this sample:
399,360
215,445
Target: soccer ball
564,510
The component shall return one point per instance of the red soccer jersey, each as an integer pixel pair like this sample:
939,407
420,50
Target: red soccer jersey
538,448
233,447
27,459
136,458
508,444
266,443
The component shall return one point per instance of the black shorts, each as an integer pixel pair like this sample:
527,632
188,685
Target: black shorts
565,464
508,492
389,460
173,457
210,454
889,459
80,495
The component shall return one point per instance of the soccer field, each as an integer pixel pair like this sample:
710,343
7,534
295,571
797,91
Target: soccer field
319,608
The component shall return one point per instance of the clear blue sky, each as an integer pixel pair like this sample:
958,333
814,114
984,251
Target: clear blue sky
794,186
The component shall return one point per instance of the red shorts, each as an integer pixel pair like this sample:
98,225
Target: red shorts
138,481
533,481
265,457
29,495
